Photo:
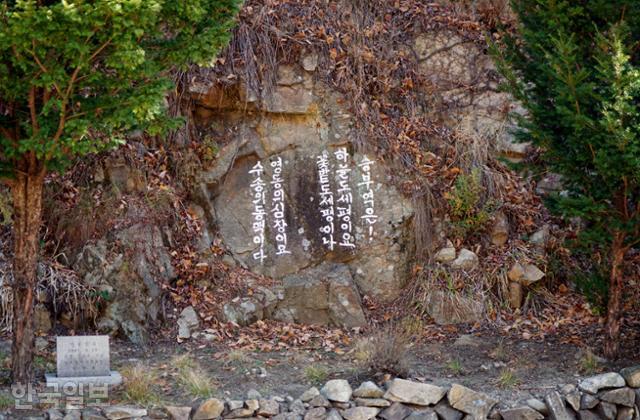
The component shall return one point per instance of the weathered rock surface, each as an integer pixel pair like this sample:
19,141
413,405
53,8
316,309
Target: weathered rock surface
521,413
602,381
322,295
360,413
188,322
622,396
471,402
122,412
368,390
337,390
557,408
128,268
415,393
466,260
209,409
632,376
396,411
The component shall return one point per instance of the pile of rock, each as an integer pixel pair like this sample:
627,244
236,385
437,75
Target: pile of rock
610,396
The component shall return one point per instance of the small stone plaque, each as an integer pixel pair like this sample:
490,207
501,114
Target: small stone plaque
83,356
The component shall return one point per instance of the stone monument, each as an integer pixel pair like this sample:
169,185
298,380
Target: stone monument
83,360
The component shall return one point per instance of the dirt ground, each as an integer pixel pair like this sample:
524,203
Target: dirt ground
509,368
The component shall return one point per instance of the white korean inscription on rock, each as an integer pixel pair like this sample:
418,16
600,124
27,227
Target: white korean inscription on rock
326,205
278,208
345,199
369,217
258,193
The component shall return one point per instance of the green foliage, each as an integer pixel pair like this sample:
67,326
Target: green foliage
468,211
77,75
575,67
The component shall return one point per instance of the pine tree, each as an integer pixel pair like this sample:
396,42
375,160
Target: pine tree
75,77
575,67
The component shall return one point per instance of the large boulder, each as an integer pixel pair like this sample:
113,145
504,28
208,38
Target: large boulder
288,192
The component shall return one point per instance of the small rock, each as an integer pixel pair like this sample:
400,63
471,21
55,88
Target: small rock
500,229
73,415
588,415
567,389
297,407
310,62
397,411
252,405
466,260
309,394
588,401
337,390
188,322
54,414
334,415
235,404
360,413
540,237
471,402
423,415
445,411
368,390
516,294
287,416
95,414
445,255
240,413
268,408
607,410
632,376
531,275
209,409
319,401
625,413
178,413
416,393
521,413
372,402
594,384
121,412
557,409
341,405
622,396
573,398
516,272
538,405
317,413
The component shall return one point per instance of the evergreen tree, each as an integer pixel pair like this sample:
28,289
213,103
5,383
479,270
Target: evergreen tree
575,67
75,77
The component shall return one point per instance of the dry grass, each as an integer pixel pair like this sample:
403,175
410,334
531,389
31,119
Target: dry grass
192,378
139,384
387,351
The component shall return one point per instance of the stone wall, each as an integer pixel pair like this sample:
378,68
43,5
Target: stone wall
608,396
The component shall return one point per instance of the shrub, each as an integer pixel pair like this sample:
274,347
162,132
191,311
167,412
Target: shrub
468,210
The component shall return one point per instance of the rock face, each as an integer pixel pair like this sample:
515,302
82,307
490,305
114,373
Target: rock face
127,268
325,295
287,193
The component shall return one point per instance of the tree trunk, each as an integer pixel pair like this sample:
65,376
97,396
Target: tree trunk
614,306
27,203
